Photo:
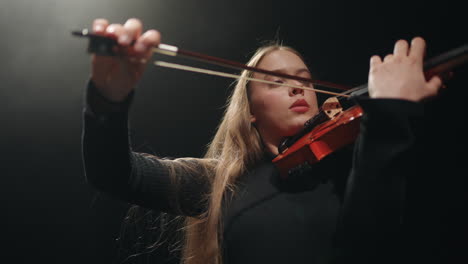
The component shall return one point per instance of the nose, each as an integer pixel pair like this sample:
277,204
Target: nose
295,91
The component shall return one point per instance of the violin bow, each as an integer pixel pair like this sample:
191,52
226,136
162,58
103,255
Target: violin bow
105,46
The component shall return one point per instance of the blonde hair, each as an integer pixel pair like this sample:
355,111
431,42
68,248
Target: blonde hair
235,148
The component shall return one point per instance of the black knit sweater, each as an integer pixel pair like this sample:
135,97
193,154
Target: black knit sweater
347,208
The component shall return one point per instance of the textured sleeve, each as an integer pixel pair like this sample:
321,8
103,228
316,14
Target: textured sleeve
138,178
369,228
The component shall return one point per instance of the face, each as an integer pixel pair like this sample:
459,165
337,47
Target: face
279,111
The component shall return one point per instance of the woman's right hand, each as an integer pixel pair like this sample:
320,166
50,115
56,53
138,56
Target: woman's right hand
116,76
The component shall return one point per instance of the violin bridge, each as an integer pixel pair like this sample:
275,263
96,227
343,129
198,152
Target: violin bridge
332,107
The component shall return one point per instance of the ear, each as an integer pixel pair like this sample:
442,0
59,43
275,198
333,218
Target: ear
253,119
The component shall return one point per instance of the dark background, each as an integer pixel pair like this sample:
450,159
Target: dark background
49,212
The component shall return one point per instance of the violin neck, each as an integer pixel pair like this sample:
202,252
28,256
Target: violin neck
439,65
446,62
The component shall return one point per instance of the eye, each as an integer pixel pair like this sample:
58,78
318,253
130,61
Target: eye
306,84
277,81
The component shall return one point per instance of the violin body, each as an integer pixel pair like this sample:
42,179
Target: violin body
321,141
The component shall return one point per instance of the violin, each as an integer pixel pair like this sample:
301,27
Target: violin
335,126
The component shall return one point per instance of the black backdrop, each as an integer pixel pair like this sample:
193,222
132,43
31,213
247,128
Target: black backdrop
50,214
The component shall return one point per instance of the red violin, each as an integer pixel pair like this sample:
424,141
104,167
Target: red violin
321,141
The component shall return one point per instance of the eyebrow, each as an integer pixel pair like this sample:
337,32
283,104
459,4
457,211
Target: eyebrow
283,70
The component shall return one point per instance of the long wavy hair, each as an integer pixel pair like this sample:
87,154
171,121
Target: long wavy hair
235,148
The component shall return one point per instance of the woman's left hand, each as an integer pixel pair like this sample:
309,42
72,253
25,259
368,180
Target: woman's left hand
400,75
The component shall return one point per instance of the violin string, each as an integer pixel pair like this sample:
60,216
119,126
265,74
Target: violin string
235,76
174,51
346,93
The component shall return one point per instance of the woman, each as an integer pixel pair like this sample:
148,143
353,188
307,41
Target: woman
236,209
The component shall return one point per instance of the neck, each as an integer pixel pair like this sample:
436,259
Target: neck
271,148
271,144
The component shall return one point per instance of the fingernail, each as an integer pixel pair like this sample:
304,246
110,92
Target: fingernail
98,28
124,39
139,47
110,29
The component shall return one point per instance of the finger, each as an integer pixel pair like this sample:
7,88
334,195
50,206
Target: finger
434,83
401,48
147,41
114,30
388,57
418,49
132,30
374,61
100,25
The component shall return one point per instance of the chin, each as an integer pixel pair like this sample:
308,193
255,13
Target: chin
294,129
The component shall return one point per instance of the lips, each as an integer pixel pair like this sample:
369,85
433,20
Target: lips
300,106
301,103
